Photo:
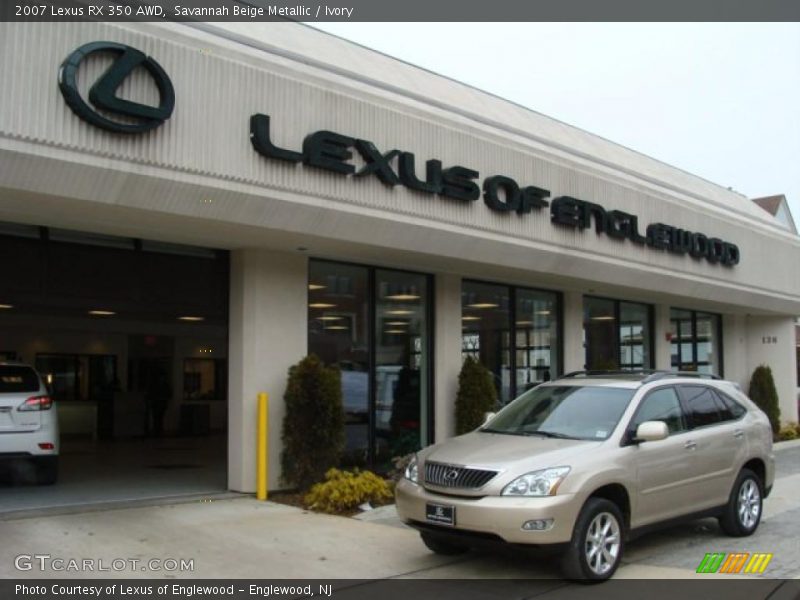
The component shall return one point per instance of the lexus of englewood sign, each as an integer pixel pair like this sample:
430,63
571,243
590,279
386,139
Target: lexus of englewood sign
331,151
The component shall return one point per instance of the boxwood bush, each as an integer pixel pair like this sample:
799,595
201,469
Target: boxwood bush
476,395
762,391
313,426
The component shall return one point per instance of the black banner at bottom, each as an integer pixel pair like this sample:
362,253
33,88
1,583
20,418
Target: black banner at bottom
400,589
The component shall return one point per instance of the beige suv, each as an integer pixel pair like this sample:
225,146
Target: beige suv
586,462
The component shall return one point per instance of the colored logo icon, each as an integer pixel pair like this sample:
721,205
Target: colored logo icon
134,117
734,563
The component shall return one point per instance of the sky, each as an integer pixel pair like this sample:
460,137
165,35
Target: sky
720,100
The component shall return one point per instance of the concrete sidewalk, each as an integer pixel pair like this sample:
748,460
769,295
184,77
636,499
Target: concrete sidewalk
244,538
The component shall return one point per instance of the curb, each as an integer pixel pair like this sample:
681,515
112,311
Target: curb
785,445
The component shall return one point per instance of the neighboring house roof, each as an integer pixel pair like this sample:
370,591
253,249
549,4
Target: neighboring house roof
778,207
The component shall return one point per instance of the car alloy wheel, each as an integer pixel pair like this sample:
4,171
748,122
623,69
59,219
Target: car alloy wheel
597,544
749,504
742,514
602,543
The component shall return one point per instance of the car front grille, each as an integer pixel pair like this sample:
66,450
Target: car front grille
453,476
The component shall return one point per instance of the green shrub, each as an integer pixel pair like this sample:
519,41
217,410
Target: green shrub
788,432
476,395
345,490
313,428
763,393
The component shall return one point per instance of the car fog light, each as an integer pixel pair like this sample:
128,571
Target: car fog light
537,525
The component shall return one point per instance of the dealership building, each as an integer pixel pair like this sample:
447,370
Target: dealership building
209,203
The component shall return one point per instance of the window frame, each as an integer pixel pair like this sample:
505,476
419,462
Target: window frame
514,393
617,308
717,402
719,334
629,434
430,330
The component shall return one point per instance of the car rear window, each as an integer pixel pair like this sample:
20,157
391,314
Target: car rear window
18,379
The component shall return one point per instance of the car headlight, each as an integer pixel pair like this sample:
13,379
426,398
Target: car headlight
412,470
537,483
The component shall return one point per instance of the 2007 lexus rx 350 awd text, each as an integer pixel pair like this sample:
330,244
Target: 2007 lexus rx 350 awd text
28,421
586,462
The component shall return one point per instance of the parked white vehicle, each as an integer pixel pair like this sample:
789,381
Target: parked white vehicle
28,420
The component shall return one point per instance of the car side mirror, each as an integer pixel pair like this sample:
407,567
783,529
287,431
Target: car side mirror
488,417
652,431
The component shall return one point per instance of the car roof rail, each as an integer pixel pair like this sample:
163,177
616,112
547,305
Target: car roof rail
657,375
648,375
606,373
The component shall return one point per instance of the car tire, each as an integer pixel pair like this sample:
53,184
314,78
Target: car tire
745,505
47,470
598,539
439,546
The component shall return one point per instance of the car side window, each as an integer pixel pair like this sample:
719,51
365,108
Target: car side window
661,405
703,407
731,410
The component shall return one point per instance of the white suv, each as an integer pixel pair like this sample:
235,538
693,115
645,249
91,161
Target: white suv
28,420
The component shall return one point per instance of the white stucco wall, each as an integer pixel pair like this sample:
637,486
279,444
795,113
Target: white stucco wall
268,311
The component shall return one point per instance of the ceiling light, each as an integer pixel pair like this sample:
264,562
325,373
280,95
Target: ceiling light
470,318
329,318
396,331
190,318
603,318
6,306
321,305
398,323
542,312
316,286
402,297
399,312
483,305
336,328
102,313
524,323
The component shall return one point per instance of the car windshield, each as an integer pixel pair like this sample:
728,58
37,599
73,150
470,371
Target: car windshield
563,411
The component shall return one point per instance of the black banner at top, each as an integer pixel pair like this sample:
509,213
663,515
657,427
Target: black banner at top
402,11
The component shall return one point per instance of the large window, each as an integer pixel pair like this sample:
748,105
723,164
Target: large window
79,377
617,335
511,330
696,341
374,325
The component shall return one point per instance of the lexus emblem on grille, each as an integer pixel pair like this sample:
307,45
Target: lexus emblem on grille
451,475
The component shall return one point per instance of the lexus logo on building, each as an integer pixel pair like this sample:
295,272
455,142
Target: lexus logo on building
132,117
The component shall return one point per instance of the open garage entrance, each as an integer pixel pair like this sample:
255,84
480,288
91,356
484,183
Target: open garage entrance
131,338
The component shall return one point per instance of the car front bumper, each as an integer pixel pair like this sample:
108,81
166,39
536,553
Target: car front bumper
500,516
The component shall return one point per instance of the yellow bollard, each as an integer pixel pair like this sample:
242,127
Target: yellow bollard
262,462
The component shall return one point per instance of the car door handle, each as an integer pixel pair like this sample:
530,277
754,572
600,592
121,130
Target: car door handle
738,434
690,445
